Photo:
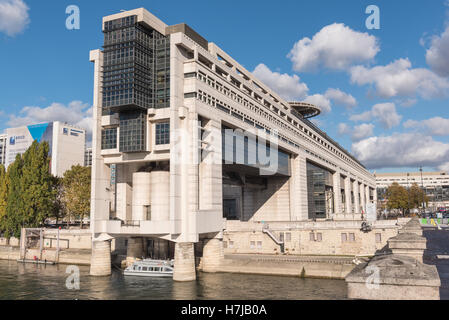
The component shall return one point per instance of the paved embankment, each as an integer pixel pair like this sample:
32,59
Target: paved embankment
66,256
330,267
437,253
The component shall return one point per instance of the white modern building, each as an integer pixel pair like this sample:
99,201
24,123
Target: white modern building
198,145
3,139
435,184
66,143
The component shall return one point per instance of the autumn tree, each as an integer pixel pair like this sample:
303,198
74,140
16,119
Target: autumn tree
397,197
76,192
417,196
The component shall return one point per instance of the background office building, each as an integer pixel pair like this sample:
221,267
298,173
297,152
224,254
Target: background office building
435,184
88,157
3,138
66,143
177,123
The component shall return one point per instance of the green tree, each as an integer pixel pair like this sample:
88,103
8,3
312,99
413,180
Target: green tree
14,204
3,197
76,192
397,197
38,191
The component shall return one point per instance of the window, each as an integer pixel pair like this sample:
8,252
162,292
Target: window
162,133
351,237
190,95
231,244
259,244
344,237
288,236
312,236
109,139
225,244
378,237
319,237
252,244
281,236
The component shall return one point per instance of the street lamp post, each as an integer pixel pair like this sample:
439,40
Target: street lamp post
422,187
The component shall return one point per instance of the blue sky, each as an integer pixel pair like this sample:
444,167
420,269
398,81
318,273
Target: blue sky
385,92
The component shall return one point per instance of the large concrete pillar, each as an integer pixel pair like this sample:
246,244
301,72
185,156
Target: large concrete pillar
100,264
348,195
141,195
337,192
184,262
356,196
362,198
367,195
213,255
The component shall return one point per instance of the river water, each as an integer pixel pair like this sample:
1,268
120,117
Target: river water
38,282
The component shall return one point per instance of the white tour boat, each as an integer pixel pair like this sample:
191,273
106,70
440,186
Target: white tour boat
150,268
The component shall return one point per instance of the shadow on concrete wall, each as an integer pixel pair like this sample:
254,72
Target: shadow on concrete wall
438,245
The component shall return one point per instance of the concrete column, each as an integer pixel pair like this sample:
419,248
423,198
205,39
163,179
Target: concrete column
362,198
213,255
184,262
100,264
356,196
348,195
101,173
337,192
367,194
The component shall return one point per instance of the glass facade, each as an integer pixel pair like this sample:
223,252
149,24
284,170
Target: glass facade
132,131
162,133
109,138
136,68
319,191
136,77
254,152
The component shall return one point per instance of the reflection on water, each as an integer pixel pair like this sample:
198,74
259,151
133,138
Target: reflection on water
27,281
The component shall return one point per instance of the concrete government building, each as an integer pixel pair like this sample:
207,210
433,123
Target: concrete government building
193,156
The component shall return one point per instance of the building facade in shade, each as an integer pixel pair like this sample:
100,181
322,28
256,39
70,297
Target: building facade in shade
435,184
88,157
3,139
197,143
66,143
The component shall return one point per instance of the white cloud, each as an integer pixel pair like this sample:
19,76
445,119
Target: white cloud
288,87
401,150
362,131
399,79
357,133
343,128
75,113
335,46
341,98
436,126
320,101
384,113
444,167
13,16
438,53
